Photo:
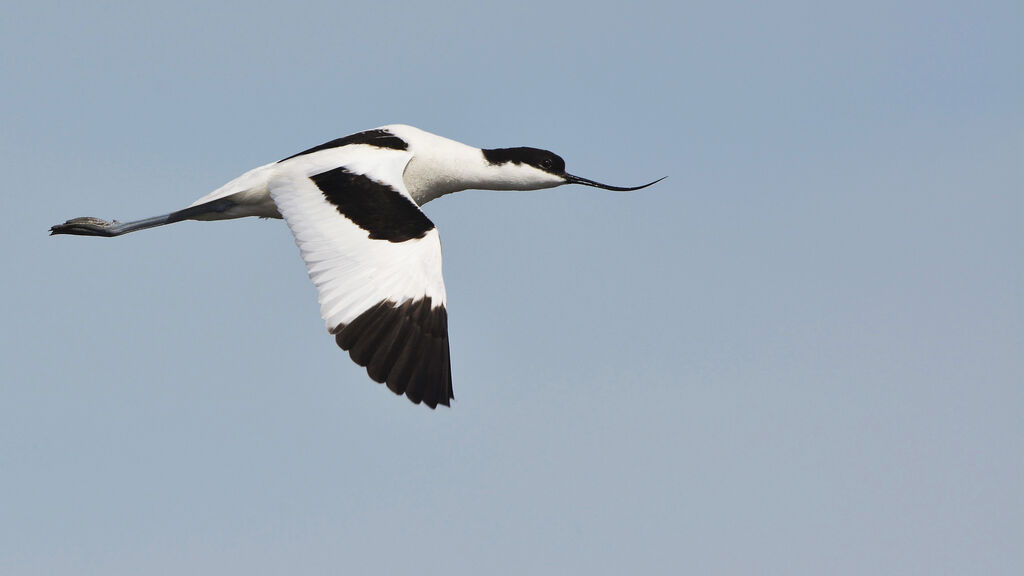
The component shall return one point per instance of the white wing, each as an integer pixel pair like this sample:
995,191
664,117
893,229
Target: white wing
375,259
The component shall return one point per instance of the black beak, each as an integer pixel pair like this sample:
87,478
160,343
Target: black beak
570,179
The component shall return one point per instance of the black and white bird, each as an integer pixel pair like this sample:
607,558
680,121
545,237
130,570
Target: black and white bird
375,258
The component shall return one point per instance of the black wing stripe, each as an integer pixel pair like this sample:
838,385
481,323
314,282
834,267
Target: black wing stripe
379,138
384,212
405,346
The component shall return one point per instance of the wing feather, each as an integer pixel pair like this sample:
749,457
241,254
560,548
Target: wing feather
375,260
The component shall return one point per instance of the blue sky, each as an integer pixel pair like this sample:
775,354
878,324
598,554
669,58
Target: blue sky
799,354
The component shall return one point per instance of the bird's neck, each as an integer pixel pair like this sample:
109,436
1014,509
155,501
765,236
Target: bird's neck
445,166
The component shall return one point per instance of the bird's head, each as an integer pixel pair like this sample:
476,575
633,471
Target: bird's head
532,169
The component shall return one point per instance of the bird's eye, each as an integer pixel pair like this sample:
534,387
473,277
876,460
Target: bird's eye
546,163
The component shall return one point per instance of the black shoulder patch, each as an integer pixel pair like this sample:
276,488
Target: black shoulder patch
542,159
404,345
384,212
380,138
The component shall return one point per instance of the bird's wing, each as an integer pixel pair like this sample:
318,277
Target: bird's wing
375,259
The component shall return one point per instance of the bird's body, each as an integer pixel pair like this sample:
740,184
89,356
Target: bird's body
375,258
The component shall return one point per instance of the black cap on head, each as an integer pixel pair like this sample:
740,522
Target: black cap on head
541,159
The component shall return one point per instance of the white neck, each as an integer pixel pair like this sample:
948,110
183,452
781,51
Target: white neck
441,166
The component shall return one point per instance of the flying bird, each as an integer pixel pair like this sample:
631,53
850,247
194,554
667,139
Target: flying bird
353,205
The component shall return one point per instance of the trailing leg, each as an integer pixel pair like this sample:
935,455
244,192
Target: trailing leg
89,226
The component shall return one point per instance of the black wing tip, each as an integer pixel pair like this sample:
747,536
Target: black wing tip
432,405
405,347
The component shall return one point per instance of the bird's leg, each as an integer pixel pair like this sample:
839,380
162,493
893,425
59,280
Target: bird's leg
89,226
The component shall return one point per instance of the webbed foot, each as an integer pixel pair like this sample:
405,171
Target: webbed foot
86,226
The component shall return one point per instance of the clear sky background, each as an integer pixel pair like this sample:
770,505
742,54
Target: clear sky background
799,354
